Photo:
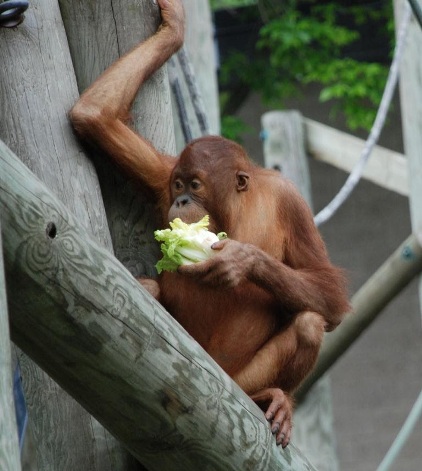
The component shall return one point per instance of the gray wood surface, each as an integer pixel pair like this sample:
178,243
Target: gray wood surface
200,50
37,88
385,167
411,112
9,446
83,317
284,148
98,33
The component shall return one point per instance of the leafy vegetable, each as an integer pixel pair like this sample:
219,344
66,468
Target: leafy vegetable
185,244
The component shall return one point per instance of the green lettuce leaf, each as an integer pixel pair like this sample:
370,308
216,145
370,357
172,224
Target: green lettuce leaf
184,244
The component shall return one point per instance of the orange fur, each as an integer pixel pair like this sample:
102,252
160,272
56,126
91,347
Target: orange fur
261,304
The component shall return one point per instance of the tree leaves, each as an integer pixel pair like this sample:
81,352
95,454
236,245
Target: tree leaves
295,49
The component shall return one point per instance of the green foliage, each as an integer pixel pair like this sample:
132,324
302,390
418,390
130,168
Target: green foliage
296,49
216,4
356,87
234,128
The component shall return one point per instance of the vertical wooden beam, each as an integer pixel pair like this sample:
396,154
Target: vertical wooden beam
98,33
9,446
186,126
199,44
37,88
284,149
411,111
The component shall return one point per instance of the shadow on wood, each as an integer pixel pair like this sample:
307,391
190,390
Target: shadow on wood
9,446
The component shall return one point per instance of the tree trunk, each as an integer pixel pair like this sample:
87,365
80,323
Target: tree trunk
37,88
98,33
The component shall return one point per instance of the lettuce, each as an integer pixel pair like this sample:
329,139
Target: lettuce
184,244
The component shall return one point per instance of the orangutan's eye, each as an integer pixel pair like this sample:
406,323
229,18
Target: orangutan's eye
178,185
195,184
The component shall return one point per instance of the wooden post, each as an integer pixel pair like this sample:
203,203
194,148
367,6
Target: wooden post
83,317
199,44
284,149
37,88
411,111
9,446
98,33
186,126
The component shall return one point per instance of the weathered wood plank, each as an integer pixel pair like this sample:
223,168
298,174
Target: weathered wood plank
9,446
200,45
37,88
411,111
83,317
186,126
200,49
385,167
98,33
284,148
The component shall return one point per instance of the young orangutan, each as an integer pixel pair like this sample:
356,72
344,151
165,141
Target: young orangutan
261,304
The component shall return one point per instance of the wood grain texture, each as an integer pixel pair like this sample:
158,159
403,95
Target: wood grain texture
411,111
284,148
200,50
200,45
411,107
98,33
9,446
385,167
37,88
181,111
82,316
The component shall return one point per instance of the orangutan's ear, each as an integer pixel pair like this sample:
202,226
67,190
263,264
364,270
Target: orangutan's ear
242,179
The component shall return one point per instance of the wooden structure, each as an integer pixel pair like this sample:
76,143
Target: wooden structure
9,446
37,88
285,134
385,167
83,317
98,33
73,307
200,47
411,107
391,170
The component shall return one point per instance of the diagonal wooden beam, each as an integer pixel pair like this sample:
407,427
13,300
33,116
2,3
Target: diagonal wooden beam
83,318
